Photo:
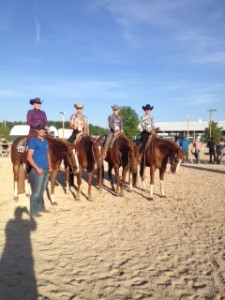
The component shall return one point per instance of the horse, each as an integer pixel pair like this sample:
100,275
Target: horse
58,149
122,152
88,153
156,155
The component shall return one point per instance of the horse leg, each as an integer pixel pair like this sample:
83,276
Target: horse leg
67,179
161,177
27,187
52,181
152,175
79,181
142,175
124,173
16,178
89,178
110,177
99,178
117,175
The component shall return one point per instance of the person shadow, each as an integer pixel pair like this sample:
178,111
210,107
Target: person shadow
17,276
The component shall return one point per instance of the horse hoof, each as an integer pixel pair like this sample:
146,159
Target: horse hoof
150,198
16,198
28,195
53,203
163,196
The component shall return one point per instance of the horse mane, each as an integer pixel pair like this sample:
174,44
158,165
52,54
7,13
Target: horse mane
60,141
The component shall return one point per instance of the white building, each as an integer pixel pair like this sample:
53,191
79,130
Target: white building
19,130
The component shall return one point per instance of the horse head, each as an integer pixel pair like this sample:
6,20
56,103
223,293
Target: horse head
176,159
97,152
70,157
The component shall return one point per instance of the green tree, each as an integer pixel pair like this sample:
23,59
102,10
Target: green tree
216,132
130,121
4,131
96,130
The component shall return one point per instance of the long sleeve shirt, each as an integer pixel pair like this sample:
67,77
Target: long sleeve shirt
146,123
36,117
115,123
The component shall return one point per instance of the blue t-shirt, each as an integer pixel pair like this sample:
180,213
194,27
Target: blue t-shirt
40,148
184,144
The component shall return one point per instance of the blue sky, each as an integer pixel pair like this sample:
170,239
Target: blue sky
168,53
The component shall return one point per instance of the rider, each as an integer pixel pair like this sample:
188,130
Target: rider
146,126
78,122
36,116
115,122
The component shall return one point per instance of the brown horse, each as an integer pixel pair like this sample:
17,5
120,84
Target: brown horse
156,155
58,149
88,153
122,153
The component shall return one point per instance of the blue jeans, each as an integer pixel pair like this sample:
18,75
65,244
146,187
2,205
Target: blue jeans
38,183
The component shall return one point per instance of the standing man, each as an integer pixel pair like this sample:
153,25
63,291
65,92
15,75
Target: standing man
211,144
78,122
184,146
115,123
36,116
39,160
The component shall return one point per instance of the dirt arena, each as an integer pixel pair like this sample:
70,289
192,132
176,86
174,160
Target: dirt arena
116,248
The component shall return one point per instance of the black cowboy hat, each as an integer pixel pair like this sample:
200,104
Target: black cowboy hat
40,127
35,100
147,107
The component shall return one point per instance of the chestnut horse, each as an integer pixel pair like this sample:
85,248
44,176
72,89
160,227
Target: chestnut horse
88,153
122,153
58,149
156,155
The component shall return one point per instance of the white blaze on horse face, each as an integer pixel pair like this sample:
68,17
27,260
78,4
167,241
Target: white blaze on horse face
99,150
76,159
178,165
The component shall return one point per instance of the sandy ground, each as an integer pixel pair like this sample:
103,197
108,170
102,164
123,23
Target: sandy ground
118,248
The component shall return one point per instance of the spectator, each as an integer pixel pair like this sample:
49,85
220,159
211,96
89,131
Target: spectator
219,151
184,146
211,144
196,149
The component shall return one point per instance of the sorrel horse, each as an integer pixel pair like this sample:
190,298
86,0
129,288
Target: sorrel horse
122,153
88,153
59,150
156,155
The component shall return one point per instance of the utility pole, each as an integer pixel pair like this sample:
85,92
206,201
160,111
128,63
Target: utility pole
210,121
63,114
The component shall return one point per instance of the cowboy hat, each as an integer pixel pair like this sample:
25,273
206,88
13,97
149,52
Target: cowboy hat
40,127
35,100
115,107
147,107
79,105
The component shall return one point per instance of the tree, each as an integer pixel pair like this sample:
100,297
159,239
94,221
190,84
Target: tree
4,131
216,132
130,121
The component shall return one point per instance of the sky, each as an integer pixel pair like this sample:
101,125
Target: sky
166,53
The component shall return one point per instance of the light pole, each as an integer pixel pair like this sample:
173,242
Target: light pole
63,114
187,126
210,121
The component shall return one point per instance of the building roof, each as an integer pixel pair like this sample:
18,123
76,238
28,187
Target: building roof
186,126
20,130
